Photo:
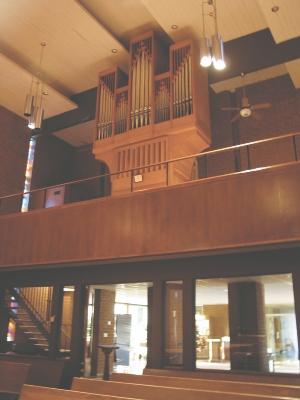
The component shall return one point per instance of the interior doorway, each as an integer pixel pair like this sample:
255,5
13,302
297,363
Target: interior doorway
117,315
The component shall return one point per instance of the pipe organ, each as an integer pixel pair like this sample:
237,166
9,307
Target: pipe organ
156,113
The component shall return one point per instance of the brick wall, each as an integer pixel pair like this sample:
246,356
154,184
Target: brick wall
14,139
282,118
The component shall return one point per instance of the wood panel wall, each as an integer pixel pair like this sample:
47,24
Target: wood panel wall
260,207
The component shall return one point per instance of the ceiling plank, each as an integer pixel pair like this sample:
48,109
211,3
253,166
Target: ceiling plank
15,83
78,47
253,77
293,68
284,24
236,18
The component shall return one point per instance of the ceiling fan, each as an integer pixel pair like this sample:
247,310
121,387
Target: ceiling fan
246,109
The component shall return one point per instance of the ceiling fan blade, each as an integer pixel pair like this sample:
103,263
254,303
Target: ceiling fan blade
235,118
230,108
261,106
256,116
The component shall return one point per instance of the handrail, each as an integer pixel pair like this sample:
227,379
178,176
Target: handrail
131,170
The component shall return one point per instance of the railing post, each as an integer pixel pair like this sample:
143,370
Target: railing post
131,181
248,157
55,320
167,173
295,148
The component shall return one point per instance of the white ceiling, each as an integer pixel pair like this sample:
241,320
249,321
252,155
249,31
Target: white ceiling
80,36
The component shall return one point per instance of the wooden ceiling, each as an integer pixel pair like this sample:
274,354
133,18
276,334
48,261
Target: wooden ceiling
81,34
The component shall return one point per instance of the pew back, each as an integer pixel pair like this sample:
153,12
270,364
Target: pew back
12,376
208,384
30,392
153,392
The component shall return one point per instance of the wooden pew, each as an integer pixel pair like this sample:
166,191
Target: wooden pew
30,392
153,392
242,376
209,384
12,377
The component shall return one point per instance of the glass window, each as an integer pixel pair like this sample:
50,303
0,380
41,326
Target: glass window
66,320
246,323
173,323
118,315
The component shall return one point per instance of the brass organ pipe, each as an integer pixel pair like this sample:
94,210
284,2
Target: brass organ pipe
137,90
104,112
146,88
177,86
111,110
100,112
142,88
146,91
180,82
190,84
186,84
133,95
150,91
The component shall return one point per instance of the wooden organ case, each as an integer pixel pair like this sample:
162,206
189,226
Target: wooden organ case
160,112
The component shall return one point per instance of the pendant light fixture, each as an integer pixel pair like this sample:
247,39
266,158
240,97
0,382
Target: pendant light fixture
33,109
211,49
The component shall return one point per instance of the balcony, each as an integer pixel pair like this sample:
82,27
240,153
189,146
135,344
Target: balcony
237,197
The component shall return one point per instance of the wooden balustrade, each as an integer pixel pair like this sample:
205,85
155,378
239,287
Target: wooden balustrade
198,216
38,300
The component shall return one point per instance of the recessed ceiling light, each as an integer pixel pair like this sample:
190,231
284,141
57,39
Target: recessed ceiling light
114,50
174,26
274,9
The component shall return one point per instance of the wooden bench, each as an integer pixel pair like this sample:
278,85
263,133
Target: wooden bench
280,379
208,384
12,377
30,392
153,392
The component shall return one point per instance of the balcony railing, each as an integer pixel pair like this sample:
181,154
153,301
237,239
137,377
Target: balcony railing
241,158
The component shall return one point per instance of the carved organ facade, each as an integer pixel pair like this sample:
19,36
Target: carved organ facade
160,112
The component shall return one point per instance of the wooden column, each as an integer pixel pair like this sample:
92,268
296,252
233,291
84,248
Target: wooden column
95,330
56,315
77,340
189,338
4,320
296,286
248,342
156,349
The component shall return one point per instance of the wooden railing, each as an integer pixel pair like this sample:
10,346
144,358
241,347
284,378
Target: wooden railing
38,300
225,161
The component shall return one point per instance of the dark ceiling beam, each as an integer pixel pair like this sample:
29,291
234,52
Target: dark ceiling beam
254,52
86,102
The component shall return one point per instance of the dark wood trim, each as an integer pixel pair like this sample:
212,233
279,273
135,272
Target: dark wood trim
4,320
189,339
56,318
155,358
77,340
150,326
296,287
95,332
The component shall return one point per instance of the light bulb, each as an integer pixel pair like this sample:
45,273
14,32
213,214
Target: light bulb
218,52
205,61
219,64
31,125
205,53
